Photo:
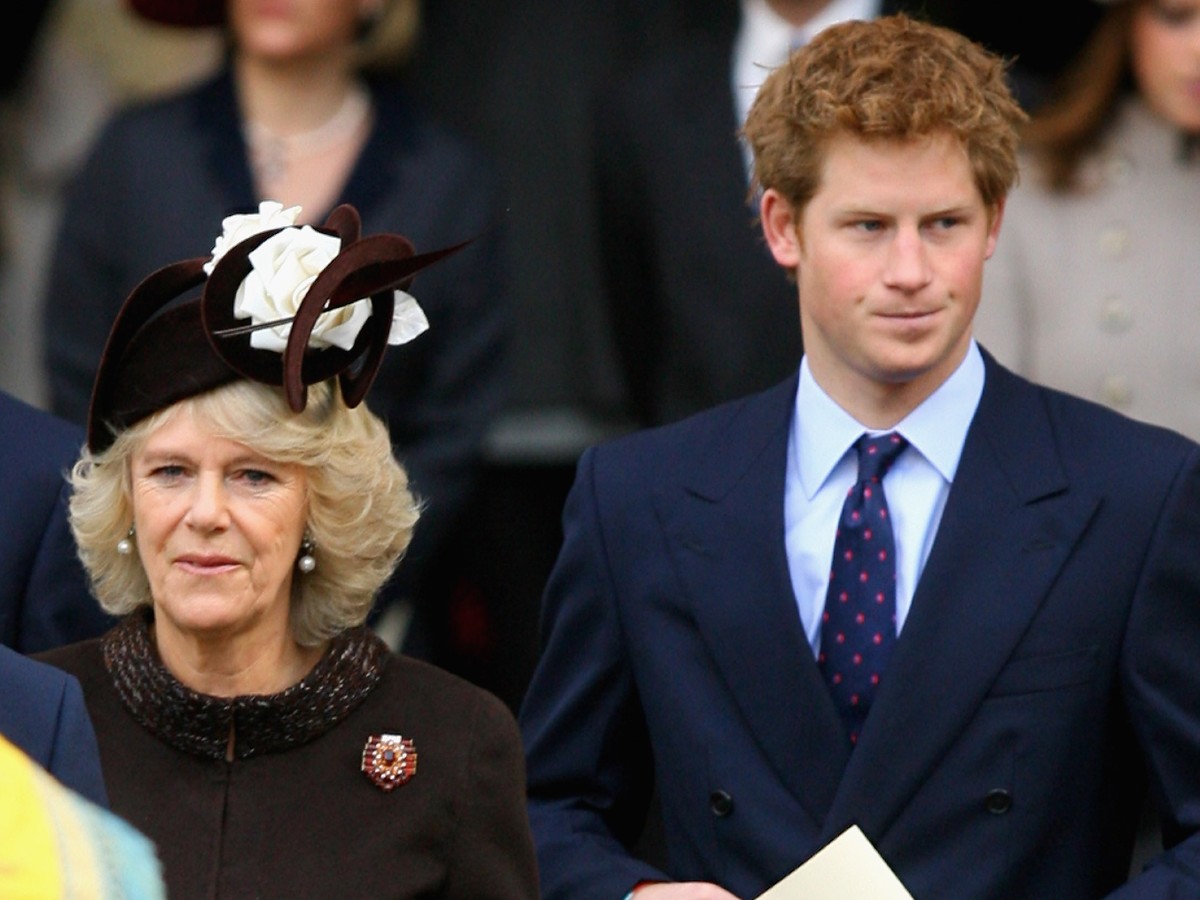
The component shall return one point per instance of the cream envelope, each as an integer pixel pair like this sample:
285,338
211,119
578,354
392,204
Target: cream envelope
848,868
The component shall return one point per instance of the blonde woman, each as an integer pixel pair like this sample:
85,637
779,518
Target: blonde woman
239,506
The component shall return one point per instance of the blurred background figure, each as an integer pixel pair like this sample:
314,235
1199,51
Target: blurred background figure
1095,283
520,78
75,61
306,109
699,311
56,844
44,596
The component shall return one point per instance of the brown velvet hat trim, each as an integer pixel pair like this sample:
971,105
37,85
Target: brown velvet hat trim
181,13
162,349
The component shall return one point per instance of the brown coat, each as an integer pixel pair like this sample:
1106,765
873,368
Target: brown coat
297,818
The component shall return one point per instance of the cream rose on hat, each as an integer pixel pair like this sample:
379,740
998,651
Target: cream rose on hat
284,267
235,229
167,344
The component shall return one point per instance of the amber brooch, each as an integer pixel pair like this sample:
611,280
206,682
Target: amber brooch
389,760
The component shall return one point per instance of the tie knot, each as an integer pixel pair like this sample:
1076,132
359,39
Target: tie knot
876,454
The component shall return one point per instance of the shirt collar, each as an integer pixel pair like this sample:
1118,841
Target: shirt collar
823,431
839,11
765,39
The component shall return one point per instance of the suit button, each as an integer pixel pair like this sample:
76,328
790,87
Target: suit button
1114,241
720,803
1116,391
1115,315
998,801
1119,170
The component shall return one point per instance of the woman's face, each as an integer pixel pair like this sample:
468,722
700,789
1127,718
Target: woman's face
290,29
1166,59
218,531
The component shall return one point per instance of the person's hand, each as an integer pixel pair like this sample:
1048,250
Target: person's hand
687,890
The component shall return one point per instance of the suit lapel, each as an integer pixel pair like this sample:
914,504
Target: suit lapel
1009,525
727,537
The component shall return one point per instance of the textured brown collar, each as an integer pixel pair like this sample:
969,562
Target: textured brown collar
263,723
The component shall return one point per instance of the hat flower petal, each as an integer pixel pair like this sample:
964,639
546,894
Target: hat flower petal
237,228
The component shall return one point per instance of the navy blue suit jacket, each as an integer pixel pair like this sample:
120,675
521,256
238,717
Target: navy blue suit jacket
43,714
44,597
1046,676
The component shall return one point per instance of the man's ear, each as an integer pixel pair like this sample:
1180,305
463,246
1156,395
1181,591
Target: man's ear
780,228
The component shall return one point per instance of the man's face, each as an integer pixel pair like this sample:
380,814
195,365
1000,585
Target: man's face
889,260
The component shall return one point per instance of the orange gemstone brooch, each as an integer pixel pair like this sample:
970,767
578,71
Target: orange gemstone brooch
389,760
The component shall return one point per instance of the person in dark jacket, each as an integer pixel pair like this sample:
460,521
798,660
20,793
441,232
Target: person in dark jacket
43,715
44,598
240,506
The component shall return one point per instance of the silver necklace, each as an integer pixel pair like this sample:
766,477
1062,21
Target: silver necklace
271,153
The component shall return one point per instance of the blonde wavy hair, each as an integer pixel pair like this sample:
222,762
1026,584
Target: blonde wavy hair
361,513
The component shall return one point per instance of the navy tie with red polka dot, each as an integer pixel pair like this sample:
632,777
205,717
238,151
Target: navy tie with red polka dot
858,627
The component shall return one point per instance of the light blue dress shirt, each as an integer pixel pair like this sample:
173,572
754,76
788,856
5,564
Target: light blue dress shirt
822,467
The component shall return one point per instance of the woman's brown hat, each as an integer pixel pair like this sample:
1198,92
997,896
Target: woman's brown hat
163,349
181,13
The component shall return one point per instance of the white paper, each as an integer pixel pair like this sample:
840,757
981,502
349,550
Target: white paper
848,868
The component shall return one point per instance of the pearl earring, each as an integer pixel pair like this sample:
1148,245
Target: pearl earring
307,562
125,544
